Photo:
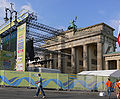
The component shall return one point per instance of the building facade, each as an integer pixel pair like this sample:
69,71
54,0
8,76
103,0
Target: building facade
112,60
82,50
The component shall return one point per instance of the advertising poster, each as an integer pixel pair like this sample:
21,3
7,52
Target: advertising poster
10,41
7,61
21,36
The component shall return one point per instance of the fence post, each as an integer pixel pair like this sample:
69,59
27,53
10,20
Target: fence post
4,78
68,81
29,79
57,82
102,83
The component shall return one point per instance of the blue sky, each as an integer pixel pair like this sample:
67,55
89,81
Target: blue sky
58,13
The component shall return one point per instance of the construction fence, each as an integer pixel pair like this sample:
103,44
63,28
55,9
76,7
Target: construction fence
54,80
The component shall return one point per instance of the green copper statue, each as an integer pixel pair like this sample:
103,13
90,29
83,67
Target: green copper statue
73,26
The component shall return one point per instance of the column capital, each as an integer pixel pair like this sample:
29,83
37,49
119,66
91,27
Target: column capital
101,42
85,44
106,60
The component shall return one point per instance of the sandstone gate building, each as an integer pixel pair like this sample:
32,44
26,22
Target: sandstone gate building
86,49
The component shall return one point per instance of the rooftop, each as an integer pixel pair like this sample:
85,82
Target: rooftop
112,54
98,73
90,27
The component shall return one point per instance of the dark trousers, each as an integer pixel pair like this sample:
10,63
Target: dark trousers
38,91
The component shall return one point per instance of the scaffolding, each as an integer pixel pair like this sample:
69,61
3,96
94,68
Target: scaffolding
38,33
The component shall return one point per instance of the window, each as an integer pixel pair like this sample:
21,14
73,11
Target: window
94,61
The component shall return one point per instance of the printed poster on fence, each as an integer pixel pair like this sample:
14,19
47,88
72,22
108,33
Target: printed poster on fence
21,36
7,61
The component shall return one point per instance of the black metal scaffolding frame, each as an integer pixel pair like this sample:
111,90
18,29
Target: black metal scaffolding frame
37,37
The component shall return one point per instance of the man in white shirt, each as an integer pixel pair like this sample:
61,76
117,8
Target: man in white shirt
39,87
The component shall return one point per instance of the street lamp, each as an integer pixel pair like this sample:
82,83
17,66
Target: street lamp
11,11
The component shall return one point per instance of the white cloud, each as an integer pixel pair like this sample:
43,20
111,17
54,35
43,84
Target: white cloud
3,4
115,24
6,4
118,48
28,7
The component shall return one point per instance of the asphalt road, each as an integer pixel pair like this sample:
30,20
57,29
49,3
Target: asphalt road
24,93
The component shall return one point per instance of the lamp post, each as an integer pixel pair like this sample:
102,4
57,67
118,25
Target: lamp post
11,11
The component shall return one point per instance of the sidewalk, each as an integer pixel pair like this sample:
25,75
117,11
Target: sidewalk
27,93
80,92
84,92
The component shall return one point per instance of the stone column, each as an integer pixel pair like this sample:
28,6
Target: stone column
53,56
55,61
65,64
99,56
118,64
85,57
59,62
90,57
47,61
106,65
77,61
51,61
73,67
44,58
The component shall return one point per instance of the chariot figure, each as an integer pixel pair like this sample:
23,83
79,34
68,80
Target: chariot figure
73,26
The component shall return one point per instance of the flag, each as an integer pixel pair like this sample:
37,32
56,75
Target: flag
119,39
119,35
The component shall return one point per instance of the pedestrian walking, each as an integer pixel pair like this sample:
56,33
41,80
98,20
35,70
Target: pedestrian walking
109,86
117,84
40,88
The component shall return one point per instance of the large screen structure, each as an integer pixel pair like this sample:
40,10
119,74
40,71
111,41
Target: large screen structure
15,41
10,42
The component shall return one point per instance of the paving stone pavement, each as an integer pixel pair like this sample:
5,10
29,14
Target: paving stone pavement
25,93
